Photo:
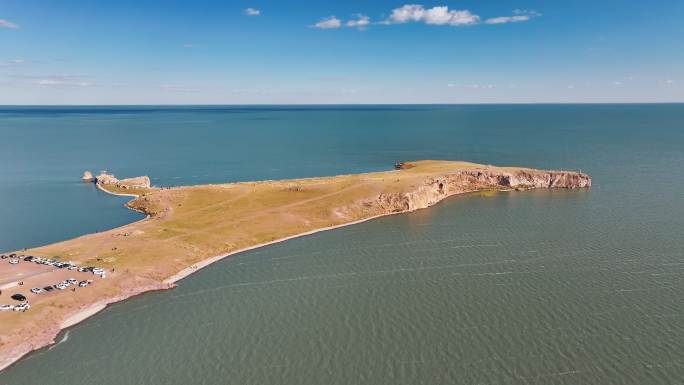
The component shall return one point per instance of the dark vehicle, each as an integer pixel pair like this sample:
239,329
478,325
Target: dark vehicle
18,297
4,256
28,259
48,288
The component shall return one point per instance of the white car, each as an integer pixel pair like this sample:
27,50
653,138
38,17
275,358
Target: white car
36,290
98,271
13,261
72,281
23,306
60,286
6,307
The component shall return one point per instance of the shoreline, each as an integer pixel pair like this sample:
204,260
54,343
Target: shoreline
430,191
170,282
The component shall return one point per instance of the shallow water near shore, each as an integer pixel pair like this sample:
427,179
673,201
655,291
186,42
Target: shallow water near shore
537,287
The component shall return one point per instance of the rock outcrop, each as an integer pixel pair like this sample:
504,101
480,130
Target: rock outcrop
129,183
88,177
433,190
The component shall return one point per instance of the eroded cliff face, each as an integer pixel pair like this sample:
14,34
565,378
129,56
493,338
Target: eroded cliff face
129,183
433,190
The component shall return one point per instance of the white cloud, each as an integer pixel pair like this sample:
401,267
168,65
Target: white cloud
252,12
669,81
7,24
328,23
518,16
361,22
436,15
417,13
617,83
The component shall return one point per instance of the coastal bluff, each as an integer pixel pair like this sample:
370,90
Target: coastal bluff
189,227
107,179
434,189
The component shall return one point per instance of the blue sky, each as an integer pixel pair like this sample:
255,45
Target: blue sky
254,51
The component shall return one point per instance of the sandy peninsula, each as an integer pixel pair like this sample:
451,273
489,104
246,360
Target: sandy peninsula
188,228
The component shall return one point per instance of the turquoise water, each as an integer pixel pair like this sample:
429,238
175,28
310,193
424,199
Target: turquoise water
541,287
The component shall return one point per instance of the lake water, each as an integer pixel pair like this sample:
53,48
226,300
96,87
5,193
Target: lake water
539,287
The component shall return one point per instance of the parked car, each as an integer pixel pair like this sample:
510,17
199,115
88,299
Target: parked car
18,297
36,290
13,261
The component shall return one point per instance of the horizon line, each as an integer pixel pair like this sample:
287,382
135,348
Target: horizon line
333,104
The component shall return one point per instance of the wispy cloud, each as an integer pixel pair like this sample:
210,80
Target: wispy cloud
328,23
54,81
12,63
7,24
473,86
193,45
252,12
518,16
361,22
179,88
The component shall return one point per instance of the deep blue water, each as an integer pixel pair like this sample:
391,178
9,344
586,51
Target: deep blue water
44,150
546,287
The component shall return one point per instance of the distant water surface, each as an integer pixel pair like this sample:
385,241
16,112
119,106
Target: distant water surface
540,287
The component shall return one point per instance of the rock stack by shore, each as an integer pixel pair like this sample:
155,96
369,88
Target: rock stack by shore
88,177
105,178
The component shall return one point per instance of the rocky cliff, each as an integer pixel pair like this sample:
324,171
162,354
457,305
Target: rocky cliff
434,189
129,183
